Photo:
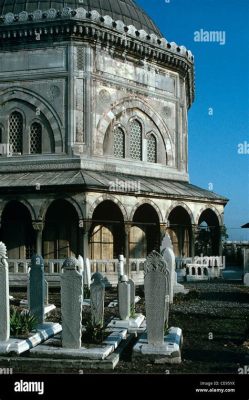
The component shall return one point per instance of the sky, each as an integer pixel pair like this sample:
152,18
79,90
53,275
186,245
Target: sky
217,137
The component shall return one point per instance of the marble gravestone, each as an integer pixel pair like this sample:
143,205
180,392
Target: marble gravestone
36,286
97,300
131,283
80,264
246,279
156,288
88,273
124,298
4,295
167,252
155,345
120,266
71,304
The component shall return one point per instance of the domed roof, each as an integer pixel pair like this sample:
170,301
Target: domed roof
125,10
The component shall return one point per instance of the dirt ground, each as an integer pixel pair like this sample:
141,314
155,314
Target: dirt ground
214,318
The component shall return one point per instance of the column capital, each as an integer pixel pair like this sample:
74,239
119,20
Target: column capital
195,229
85,225
127,226
38,225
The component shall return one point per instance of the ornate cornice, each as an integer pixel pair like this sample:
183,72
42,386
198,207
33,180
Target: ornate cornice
81,25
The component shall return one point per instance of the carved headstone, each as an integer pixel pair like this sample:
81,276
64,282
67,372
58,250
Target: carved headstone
132,295
45,292
120,266
71,304
124,298
97,299
4,295
80,264
156,286
36,288
169,256
88,273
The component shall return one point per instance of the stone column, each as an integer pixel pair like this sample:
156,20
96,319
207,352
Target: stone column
36,285
194,234
163,231
71,304
127,248
38,227
4,295
85,231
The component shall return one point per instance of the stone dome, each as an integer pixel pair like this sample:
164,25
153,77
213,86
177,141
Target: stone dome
125,10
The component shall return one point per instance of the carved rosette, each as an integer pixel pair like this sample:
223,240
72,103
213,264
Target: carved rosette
70,263
3,255
155,262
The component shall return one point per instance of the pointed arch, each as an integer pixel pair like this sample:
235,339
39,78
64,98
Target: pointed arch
37,102
108,120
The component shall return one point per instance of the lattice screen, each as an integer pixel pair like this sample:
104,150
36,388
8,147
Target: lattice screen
35,138
151,149
80,58
16,131
119,143
136,141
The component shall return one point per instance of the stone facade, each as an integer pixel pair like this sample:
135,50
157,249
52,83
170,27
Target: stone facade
87,101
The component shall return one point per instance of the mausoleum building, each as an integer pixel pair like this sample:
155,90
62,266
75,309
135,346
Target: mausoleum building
94,134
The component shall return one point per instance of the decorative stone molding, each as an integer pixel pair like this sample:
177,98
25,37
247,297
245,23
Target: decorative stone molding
152,204
183,205
91,25
104,198
210,208
23,94
155,262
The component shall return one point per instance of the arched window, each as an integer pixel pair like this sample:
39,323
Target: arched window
138,243
151,149
119,143
16,132
35,138
136,140
101,243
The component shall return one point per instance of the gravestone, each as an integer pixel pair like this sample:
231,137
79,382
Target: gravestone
132,295
97,299
124,298
4,295
167,252
156,287
246,260
45,292
88,273
246,279
81,271
80,264
36,285
71,304
120,266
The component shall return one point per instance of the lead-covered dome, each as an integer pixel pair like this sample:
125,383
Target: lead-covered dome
125,10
